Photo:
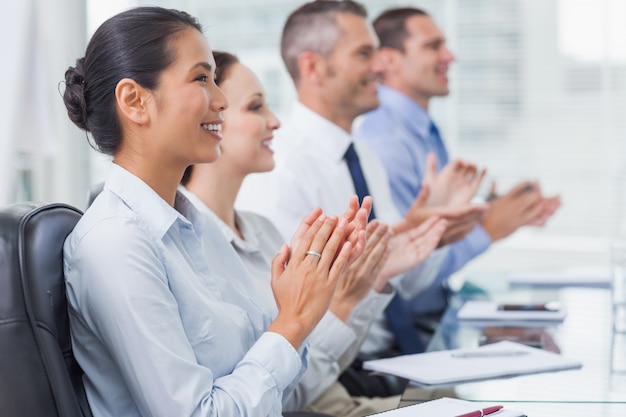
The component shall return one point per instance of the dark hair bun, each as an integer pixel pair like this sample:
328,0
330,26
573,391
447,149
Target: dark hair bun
74,95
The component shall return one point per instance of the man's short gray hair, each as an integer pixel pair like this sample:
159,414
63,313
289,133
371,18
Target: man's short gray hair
313,27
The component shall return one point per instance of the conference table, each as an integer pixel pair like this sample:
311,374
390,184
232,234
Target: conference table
586,334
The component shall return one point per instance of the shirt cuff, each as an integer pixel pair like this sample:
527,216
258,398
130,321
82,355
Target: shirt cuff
276,355
332,336
369,308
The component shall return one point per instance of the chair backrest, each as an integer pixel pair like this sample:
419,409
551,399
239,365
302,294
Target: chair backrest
38,373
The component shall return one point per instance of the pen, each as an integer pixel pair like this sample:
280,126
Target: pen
484,412
489,354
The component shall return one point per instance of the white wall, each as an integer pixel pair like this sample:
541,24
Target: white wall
41,38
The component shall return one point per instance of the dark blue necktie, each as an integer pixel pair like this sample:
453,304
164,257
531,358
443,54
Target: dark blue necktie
439,147
352,159
398,313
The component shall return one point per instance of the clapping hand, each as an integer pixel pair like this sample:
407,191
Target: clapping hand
410,248
360,277
456,183
304,287
461,219
524,205
356,218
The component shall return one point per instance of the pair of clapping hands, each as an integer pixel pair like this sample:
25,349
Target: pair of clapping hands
447,194
305,274
333,262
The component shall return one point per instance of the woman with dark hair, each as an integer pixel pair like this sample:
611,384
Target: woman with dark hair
363,291
159,327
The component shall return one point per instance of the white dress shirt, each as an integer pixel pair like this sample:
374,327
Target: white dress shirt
333,344
160,329
310,172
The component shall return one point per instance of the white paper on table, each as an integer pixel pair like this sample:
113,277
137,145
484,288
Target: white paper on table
494,361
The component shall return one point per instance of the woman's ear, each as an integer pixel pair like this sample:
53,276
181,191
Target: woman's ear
131,101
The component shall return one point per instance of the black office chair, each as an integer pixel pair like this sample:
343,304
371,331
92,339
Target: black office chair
39,376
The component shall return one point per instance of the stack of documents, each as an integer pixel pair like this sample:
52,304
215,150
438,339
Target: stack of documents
502,359
449,407
581,276
489,312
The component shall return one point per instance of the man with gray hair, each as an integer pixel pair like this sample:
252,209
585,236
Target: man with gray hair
330,51
313,28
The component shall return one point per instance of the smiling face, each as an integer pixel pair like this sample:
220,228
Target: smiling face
187,104
248,123
423,66
353,67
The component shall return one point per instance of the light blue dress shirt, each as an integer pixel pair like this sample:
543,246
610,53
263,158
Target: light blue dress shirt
158,329
400,133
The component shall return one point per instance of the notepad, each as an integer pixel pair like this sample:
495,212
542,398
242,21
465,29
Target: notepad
488,312
445,407
501,359
582,276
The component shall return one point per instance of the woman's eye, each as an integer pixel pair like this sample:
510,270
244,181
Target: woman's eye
203,78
